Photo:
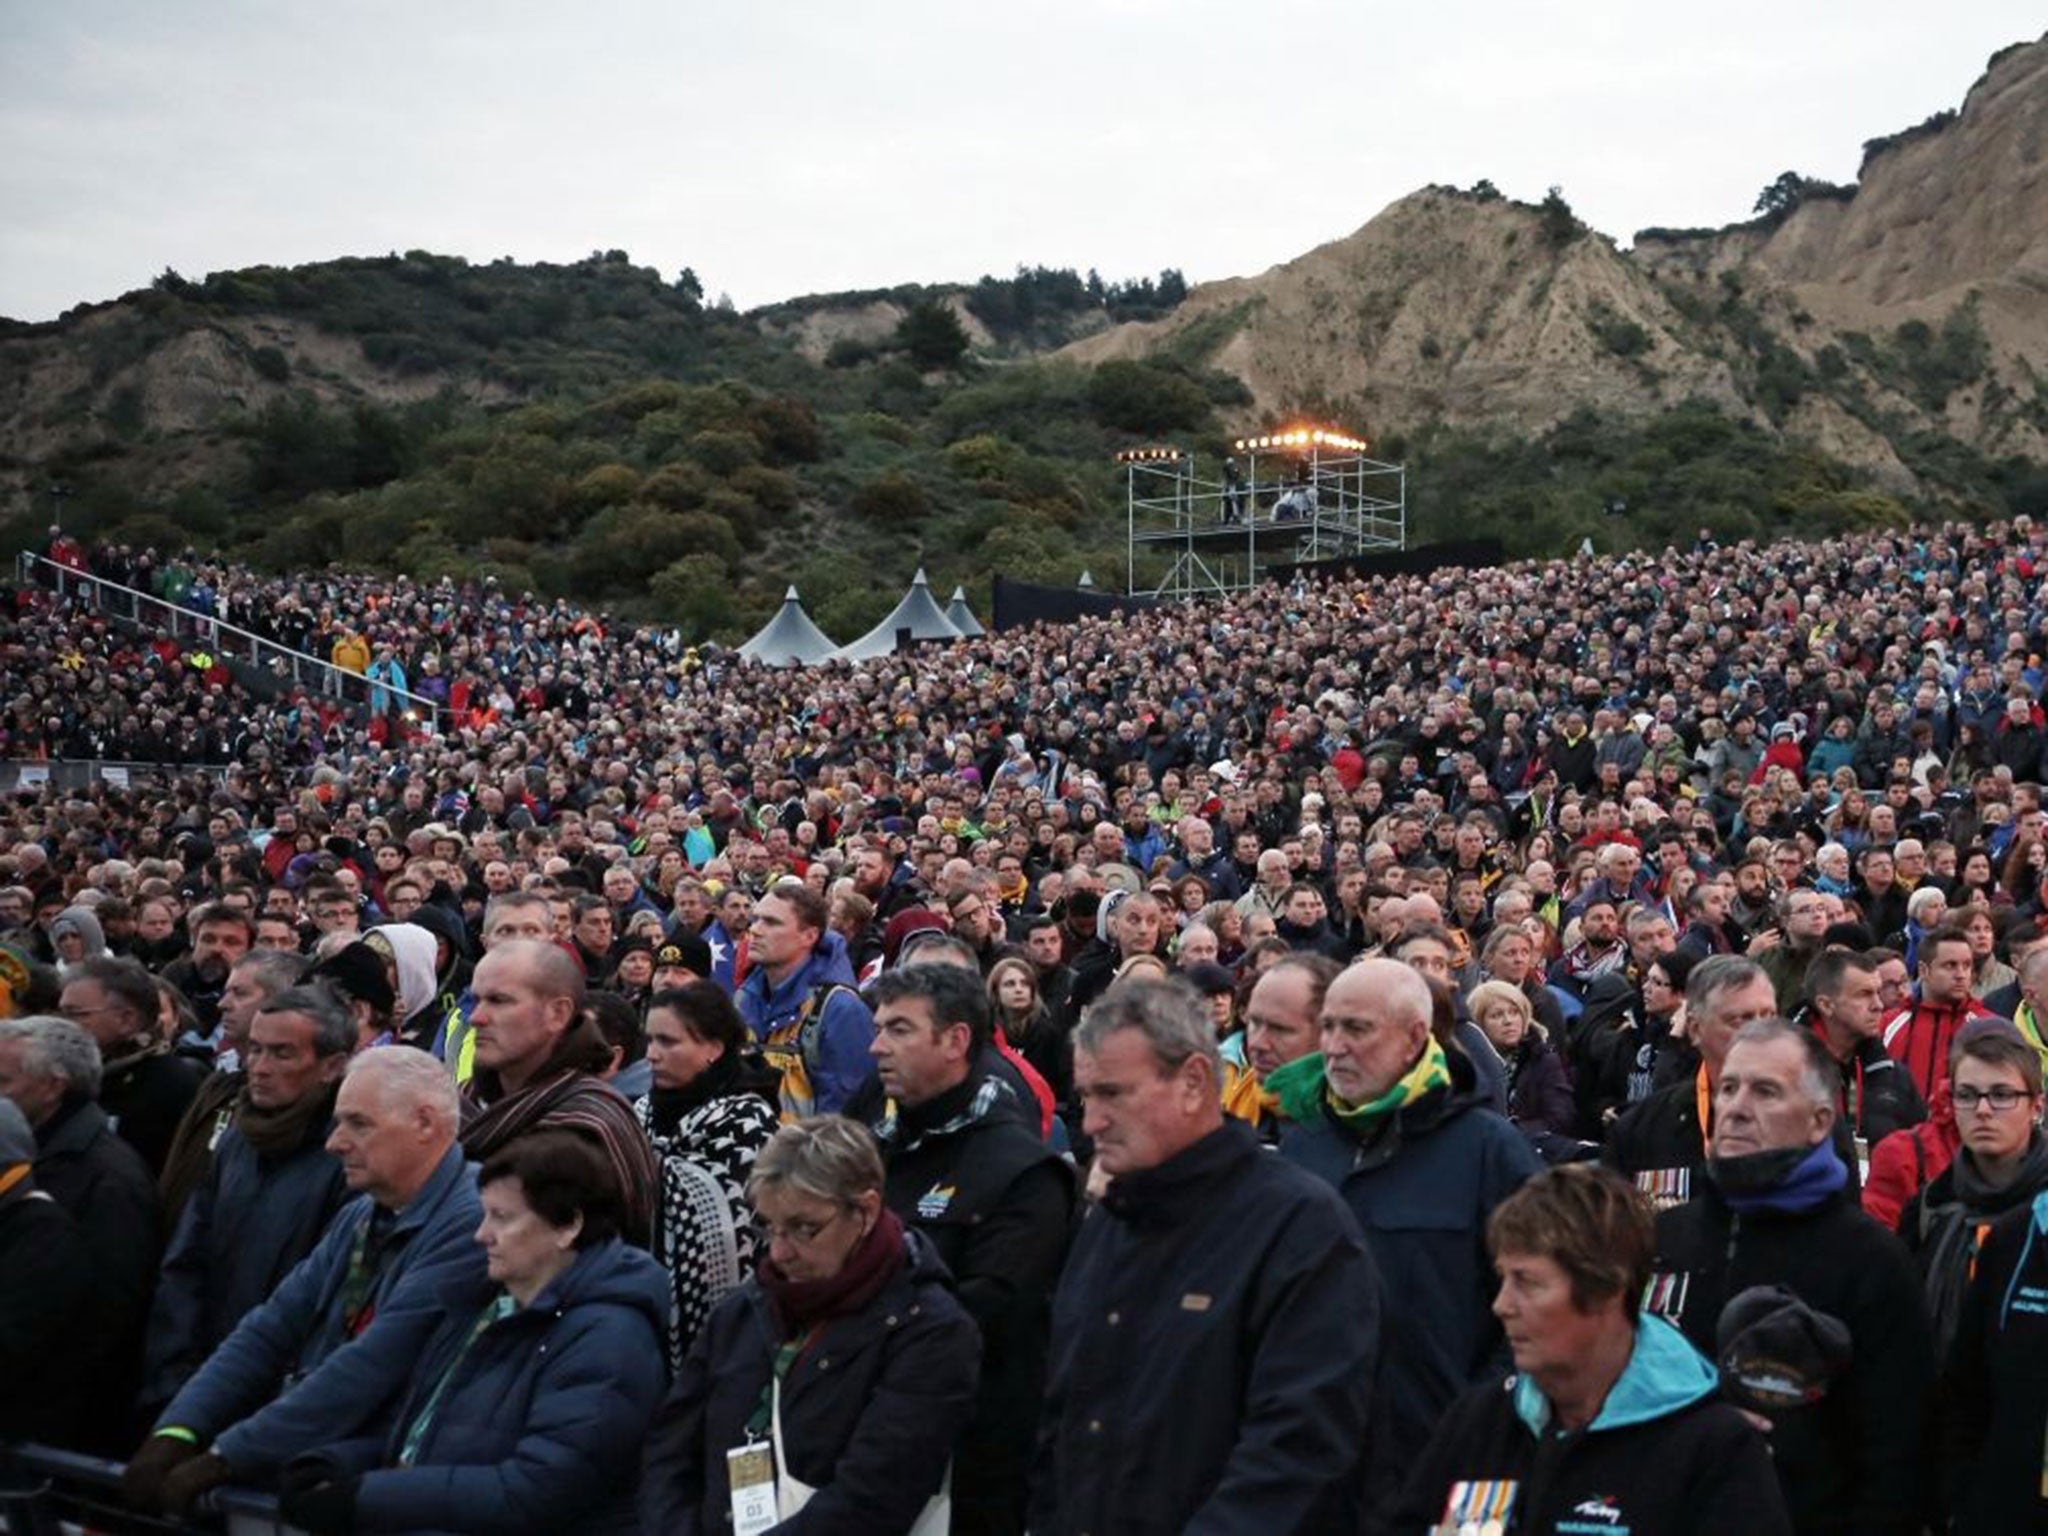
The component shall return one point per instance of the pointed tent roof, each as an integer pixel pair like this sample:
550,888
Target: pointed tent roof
1087,581
918,612
789,639
960,616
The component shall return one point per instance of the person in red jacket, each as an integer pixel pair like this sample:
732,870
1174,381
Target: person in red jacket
1919,1034
1907,1161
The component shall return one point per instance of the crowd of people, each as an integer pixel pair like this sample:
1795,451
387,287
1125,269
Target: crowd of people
1557,1046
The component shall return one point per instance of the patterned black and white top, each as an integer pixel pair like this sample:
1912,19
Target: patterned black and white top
704,1233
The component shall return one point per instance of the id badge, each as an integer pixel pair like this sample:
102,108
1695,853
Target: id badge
750,1473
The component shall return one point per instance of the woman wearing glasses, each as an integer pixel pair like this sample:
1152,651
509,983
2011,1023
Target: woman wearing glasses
836,1380
2002,1163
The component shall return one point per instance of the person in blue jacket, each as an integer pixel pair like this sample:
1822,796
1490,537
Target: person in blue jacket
799,1001
324,1358
527,1412
1395,1123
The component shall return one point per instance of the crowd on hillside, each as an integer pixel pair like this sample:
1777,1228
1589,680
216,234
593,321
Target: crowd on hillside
1495,1049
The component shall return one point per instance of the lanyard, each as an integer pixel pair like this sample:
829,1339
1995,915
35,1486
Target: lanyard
499,1306
785,1356
358,1308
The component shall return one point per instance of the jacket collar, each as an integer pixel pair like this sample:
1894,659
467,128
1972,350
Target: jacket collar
1664,1374
450,1175
1184,1184
76,1125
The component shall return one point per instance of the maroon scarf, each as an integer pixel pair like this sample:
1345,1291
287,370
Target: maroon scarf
876,1259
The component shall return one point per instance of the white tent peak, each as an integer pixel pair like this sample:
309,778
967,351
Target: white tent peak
789,639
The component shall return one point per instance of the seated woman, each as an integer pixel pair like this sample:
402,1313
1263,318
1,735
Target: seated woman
846,1350
710,1113
528,1409
1610,1409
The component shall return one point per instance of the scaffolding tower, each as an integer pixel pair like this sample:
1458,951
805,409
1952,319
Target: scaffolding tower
1283,498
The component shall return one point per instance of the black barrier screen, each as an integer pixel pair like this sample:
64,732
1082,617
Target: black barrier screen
1018,603
1422,559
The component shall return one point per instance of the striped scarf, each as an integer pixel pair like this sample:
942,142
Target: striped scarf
1303,1089
566,1097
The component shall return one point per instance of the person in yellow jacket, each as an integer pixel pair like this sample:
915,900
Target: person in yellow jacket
351,652
1282,1023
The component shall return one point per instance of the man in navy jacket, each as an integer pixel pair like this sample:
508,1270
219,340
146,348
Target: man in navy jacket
1216,1330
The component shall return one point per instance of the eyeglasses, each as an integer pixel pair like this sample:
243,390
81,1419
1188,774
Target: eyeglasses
798,1234
2000,1098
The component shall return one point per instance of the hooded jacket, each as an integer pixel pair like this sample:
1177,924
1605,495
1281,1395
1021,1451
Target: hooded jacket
535,1422
1215,1336
870,1411
1996,1387
1663,1455
1421,1189
1854,1461
307,1368
837,1061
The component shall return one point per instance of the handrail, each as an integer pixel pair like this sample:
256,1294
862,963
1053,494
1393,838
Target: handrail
338,682
40,1484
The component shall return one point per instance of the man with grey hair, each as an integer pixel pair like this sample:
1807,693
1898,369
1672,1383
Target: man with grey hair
1399,1126
1777,1209
269,1192
1661,1143
50,1068
321,1360
1216,1329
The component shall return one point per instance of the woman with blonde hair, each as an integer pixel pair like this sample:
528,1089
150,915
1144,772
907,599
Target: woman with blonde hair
1539,1089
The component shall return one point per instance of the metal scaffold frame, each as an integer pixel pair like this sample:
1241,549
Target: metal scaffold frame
1297,495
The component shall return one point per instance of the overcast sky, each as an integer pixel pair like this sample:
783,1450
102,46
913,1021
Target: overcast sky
794,147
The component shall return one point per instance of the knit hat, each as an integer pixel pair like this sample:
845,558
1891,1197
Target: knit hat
686,951
1776,1352
1209,978
358,971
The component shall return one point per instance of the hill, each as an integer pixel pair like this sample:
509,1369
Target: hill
1851,356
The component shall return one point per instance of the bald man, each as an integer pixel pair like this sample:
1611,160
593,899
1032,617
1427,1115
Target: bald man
1402,1130
540,1062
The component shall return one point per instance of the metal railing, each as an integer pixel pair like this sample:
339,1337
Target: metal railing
231,641
47,1492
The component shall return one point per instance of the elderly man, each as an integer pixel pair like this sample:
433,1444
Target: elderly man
1401,1129
967,1167
144,1088
321,1360
1282,1023
1776,1210
540,1061
270,1191
1215,1331
50,1068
